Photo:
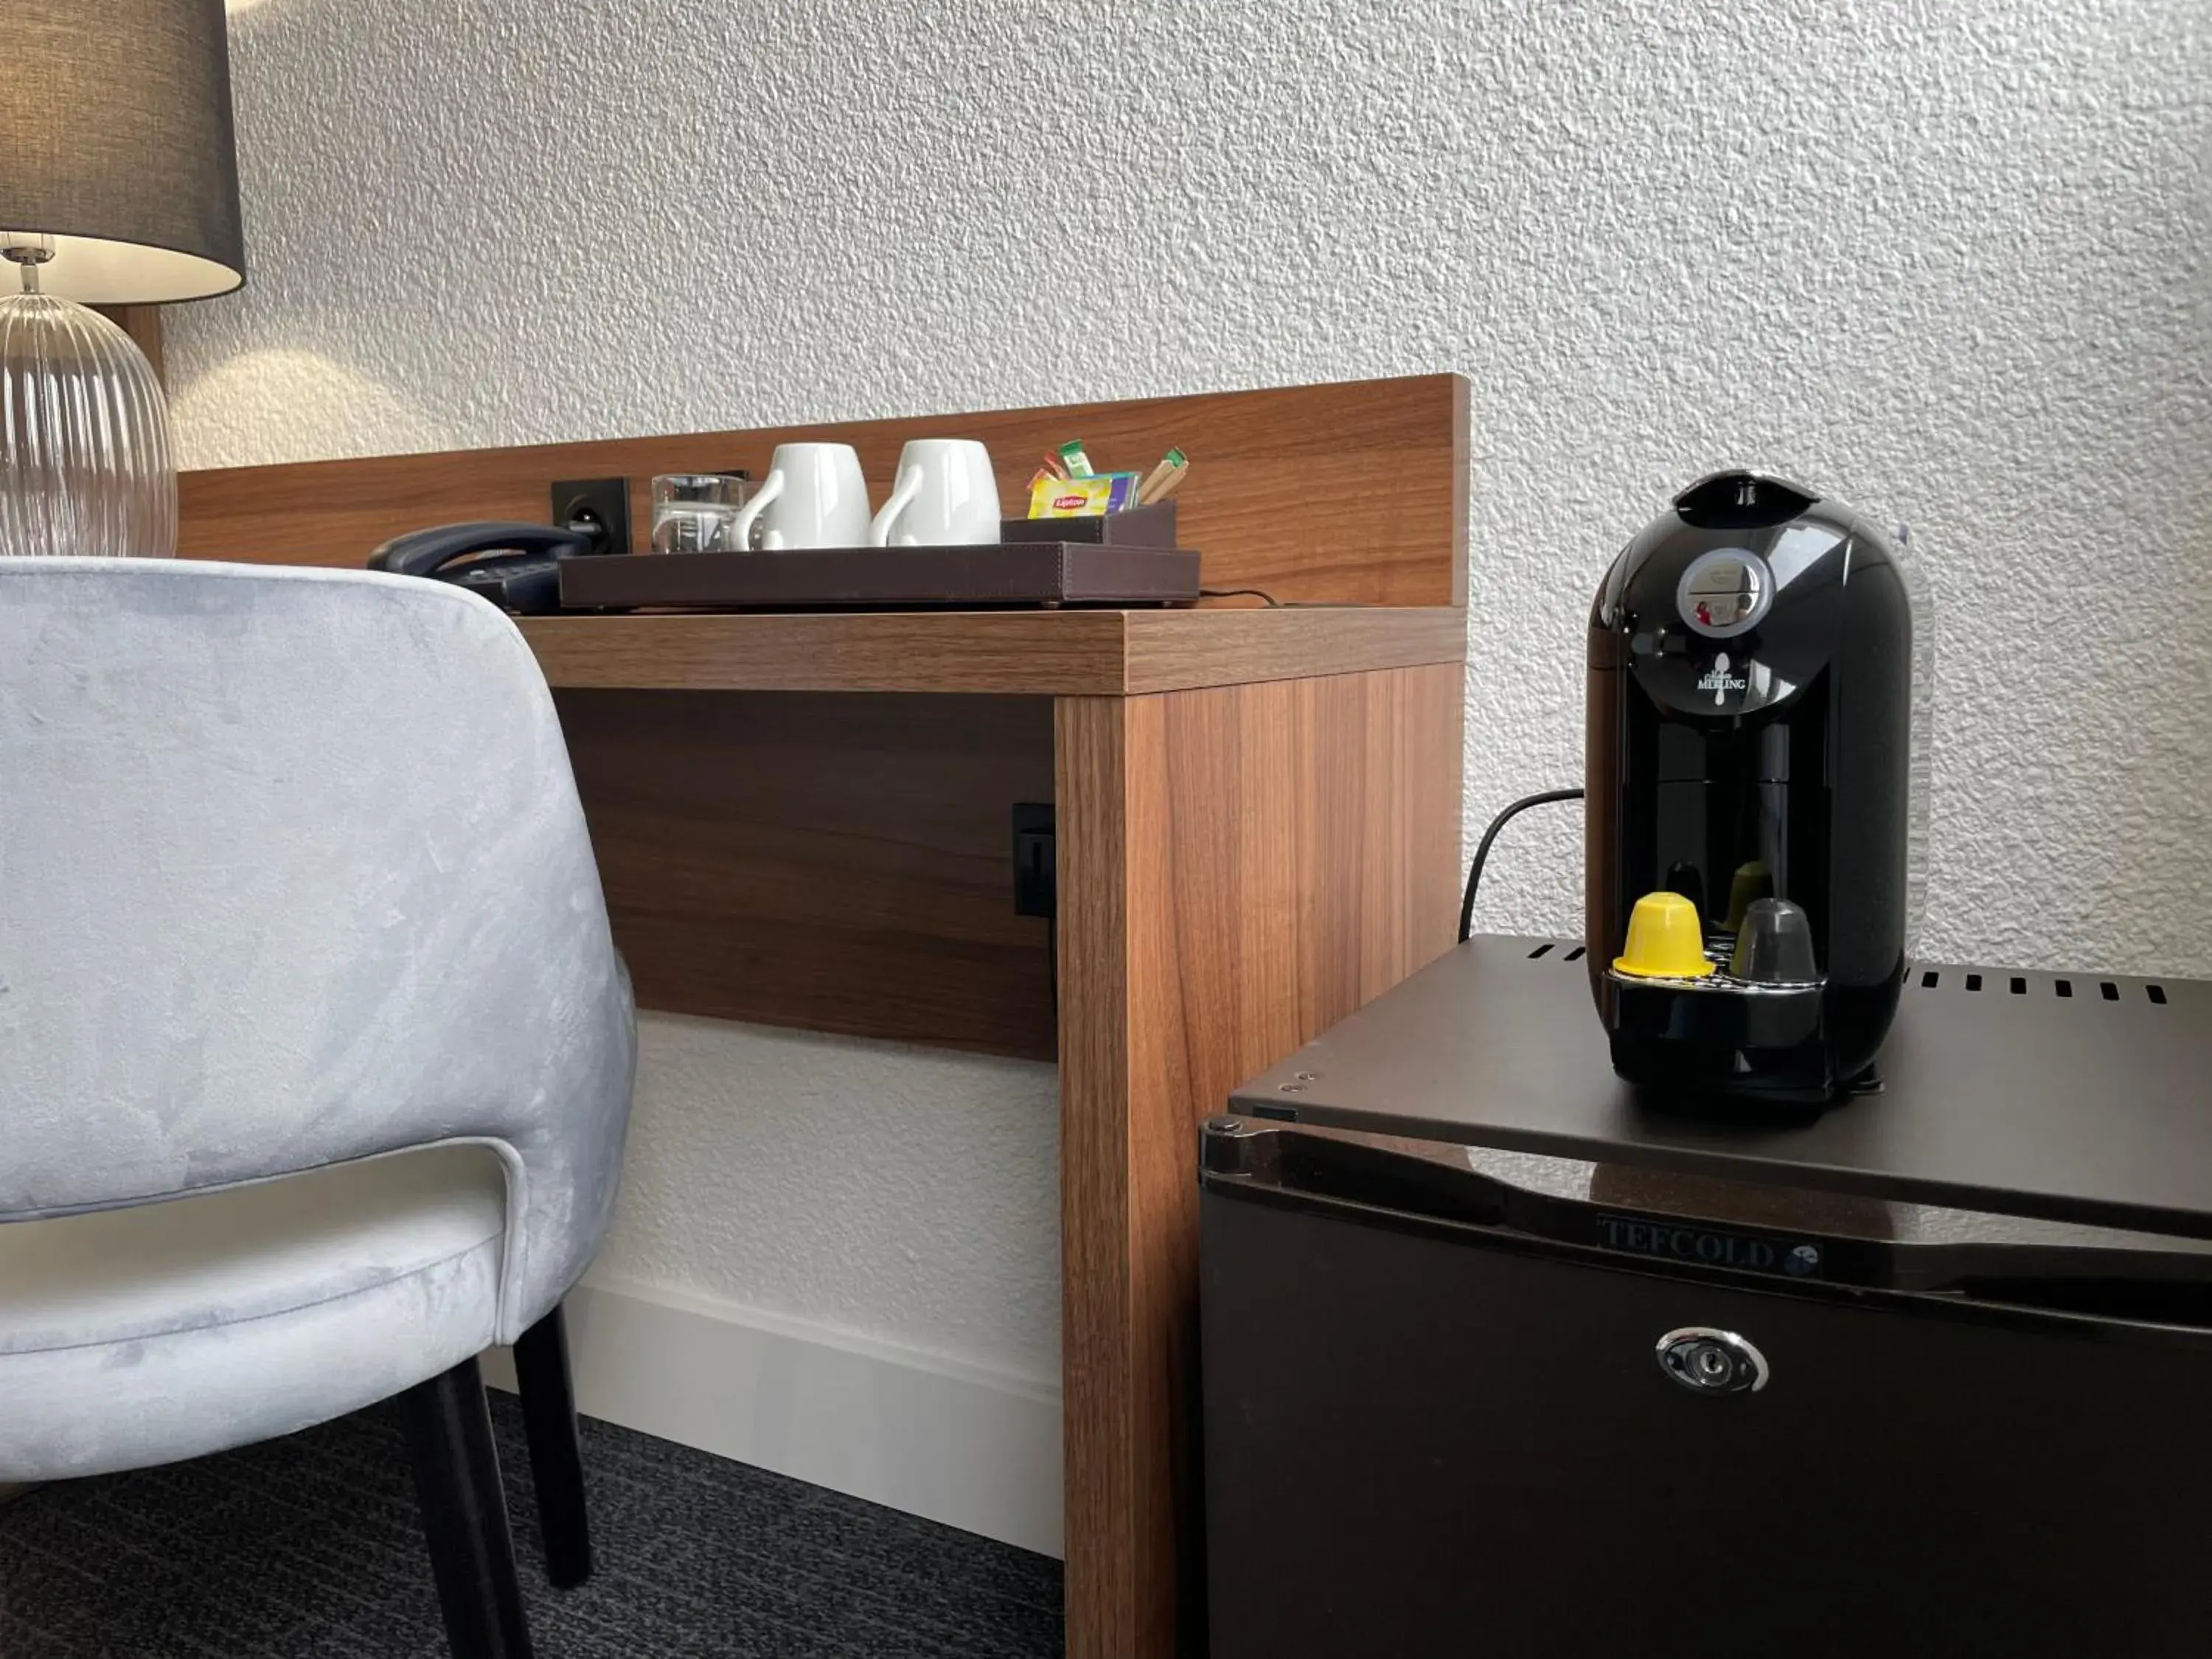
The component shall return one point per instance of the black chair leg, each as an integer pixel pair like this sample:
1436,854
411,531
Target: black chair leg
465,1514
556,1457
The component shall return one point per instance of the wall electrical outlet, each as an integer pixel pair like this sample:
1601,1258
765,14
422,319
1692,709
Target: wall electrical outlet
1034,887
601,501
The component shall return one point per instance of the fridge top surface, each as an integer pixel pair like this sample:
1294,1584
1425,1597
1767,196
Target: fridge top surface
2000,1093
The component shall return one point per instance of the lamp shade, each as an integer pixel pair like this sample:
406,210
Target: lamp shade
116,148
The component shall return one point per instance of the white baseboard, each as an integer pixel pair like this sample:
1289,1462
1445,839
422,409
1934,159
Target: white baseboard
970,1447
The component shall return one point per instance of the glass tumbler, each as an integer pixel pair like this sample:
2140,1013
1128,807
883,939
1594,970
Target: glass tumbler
693,511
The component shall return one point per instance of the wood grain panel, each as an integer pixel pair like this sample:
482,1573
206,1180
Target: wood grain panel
1241,867
837,863
988,651
143,324
1354,492
1069,652
1174,650
1106,1595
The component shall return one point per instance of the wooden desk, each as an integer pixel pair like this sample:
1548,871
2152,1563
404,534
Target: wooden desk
807,820
1066,653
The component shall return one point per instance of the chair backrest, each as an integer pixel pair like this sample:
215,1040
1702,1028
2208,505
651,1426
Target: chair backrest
293,871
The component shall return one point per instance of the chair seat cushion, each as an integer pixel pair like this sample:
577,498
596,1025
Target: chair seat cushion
141,1336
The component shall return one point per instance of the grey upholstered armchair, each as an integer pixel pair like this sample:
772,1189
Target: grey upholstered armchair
315,1054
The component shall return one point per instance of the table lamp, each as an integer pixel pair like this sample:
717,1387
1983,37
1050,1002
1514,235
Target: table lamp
119,185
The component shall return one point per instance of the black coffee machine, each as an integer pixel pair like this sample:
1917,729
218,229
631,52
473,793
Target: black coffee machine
1752,855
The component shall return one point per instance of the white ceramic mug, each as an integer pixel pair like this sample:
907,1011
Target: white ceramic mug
813,496
945,494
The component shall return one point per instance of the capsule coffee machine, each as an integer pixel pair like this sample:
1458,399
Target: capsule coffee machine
1750,874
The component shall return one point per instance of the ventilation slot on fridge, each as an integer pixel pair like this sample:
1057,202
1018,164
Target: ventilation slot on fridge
2025,985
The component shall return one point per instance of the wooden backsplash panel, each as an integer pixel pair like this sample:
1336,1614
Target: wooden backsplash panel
836,861
1353,493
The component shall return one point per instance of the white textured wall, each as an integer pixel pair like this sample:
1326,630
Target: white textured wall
1946,261
901,1192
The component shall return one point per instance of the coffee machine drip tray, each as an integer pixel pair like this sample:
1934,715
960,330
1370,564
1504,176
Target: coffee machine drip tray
1720,1015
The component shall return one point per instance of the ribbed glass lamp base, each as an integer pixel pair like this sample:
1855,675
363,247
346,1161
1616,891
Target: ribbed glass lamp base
85,463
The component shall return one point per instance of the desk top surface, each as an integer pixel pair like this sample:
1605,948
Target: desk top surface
1070,653
2083,1107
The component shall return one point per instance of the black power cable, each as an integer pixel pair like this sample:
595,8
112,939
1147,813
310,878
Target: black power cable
1482,848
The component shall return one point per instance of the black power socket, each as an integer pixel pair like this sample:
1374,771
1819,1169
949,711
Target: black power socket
600,506
1035,884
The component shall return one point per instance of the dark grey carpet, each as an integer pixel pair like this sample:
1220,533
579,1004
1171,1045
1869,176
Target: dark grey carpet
310,1546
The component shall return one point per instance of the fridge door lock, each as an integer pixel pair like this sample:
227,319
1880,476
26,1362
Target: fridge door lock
1709,1361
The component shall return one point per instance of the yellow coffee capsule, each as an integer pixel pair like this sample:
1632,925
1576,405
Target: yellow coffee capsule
1665,940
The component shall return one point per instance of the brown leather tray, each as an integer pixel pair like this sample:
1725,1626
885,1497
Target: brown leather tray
1133,526
886,578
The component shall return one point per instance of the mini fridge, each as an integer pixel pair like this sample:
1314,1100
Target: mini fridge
1498,1358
